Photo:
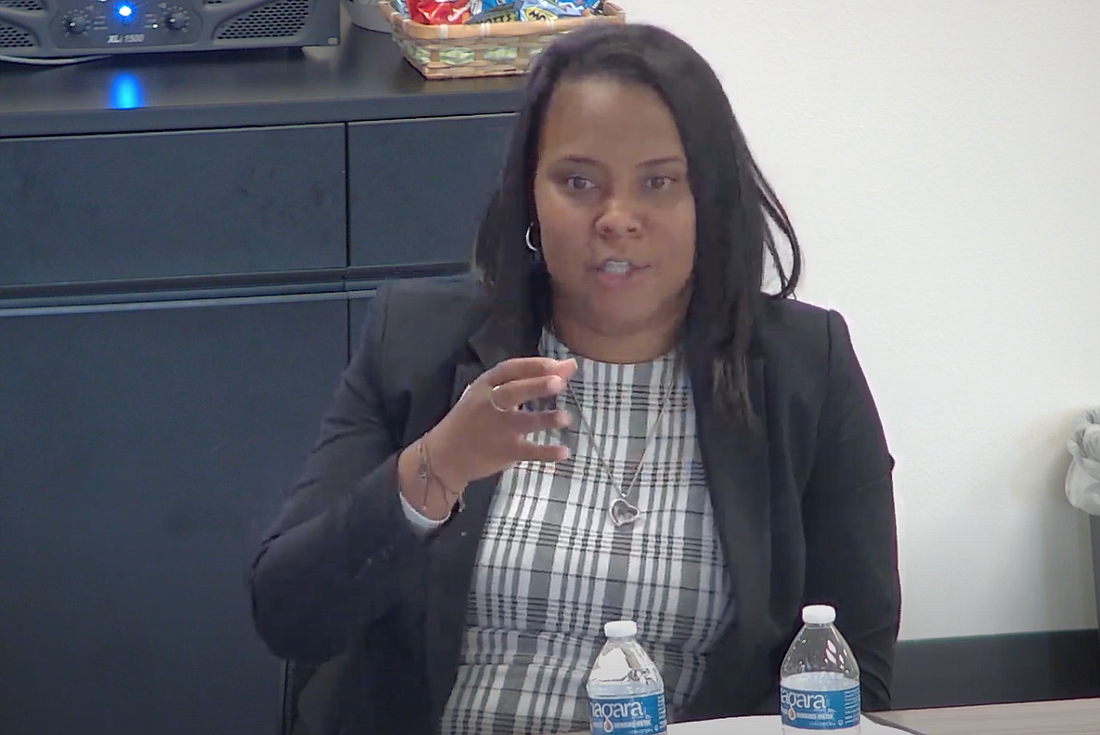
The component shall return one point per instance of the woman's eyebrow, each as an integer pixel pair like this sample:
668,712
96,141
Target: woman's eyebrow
585,160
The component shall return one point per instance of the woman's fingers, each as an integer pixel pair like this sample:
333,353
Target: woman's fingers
515,393
532,452
528,422
520,368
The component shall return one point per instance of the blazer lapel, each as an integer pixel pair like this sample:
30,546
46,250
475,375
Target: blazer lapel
453,550
737,472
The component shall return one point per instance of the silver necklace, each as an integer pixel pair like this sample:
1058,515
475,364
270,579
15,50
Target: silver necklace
621,511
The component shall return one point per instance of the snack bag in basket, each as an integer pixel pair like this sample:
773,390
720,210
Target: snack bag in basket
551,9
477,7
494,11
505,11
439,12
539,10
580,7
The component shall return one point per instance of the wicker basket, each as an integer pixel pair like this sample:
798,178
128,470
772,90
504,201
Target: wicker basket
484,49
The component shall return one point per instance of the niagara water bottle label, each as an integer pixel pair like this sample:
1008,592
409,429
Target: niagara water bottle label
830,710
644,715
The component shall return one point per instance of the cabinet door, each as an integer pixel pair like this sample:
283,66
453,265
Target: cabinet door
155,205
417,189
143,452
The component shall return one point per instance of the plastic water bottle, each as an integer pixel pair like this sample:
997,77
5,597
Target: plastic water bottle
819,679
626,695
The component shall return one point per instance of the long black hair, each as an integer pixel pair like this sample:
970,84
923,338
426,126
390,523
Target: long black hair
734,204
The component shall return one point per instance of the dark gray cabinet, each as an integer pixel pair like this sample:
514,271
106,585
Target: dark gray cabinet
418,188
143,450
181,285
153,205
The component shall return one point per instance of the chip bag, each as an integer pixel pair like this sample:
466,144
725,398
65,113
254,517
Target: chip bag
540,10
504,11
439,12
551,9
493,11
477,7
579,7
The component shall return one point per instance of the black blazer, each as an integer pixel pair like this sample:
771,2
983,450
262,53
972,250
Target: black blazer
806,516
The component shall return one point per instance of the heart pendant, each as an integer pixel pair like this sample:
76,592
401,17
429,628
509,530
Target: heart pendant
622,512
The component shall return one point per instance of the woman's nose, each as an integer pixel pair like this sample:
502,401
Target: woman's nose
619,220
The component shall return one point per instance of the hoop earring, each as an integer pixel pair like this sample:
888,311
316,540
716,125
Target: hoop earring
528,241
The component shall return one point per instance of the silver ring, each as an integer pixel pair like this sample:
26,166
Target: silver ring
493,402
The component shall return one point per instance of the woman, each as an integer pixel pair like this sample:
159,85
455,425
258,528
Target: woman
608,420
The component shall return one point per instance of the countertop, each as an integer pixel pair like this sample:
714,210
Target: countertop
364,78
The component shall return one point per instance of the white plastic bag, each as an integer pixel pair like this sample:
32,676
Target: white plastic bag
1083,477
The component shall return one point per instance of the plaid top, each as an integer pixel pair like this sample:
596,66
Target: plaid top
552,569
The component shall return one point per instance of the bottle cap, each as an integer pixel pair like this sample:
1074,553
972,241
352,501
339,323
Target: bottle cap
620,629
818,614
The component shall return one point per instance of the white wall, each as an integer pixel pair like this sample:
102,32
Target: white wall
941,162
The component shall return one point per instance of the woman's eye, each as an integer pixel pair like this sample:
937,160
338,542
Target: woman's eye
659,182
578,183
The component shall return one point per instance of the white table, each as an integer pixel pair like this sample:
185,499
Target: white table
1071,717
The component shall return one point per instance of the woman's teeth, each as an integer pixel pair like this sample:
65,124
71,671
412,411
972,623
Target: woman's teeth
620,267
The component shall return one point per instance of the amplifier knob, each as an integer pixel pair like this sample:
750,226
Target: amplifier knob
76,23
177,20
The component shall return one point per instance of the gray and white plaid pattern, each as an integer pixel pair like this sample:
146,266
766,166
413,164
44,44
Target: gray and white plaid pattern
552,569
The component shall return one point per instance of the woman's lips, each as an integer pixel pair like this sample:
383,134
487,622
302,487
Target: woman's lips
617,279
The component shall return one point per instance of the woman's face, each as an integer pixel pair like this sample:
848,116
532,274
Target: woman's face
615,210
